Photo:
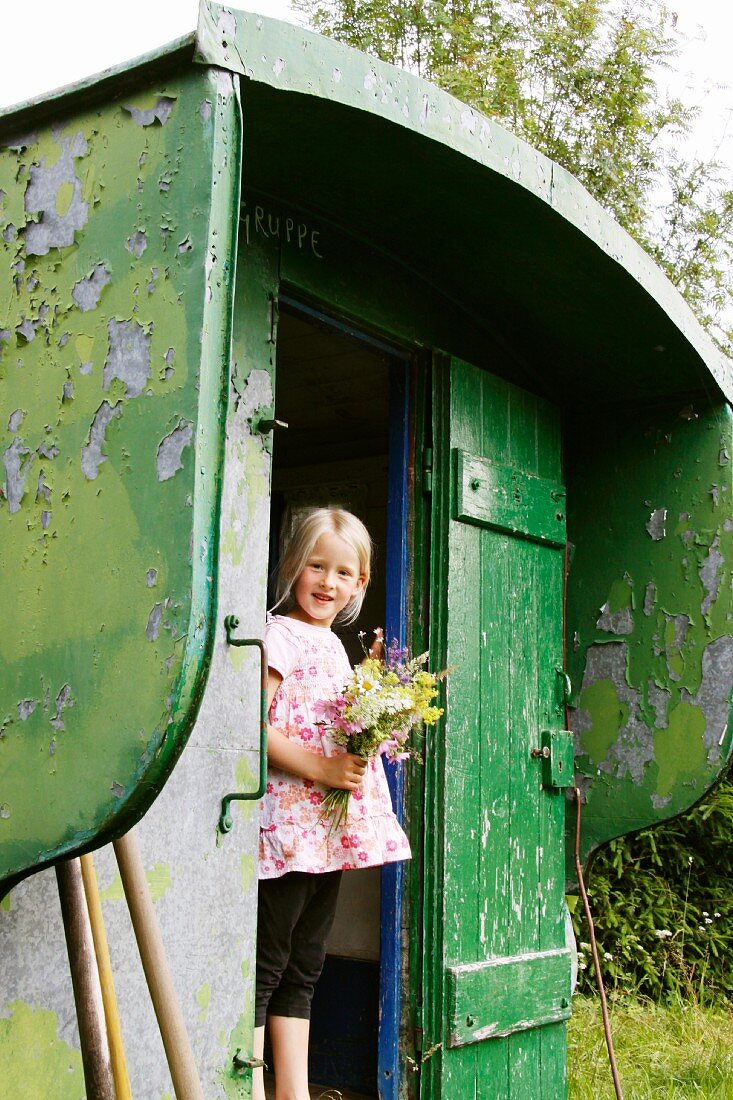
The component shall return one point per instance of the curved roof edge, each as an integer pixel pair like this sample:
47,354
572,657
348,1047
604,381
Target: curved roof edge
292,59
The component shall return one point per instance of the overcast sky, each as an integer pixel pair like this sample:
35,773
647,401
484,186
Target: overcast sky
49,43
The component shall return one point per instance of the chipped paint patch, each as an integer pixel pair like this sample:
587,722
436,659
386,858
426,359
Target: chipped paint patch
148,116
152,630
168,459
87,292
657,524
16,460
128,357
92,455
137,242
55,228
710,575
616,614
64,699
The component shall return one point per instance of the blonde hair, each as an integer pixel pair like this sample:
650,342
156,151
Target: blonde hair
300,547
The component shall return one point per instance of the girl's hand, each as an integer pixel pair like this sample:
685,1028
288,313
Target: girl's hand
344,771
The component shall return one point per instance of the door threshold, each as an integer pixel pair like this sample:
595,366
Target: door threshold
318,1092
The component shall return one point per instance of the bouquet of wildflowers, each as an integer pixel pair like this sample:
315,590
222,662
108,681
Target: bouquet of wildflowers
384,700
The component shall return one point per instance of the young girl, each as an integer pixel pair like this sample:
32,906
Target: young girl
322,578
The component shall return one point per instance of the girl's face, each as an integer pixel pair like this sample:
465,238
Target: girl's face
331,577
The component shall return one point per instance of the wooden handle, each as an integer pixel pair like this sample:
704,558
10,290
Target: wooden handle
85,980
157,973
106,979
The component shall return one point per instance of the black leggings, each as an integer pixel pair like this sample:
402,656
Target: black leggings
294,916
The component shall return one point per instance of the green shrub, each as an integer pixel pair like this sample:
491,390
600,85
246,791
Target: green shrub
662,905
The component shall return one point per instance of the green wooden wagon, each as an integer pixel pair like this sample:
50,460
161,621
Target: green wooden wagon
257,225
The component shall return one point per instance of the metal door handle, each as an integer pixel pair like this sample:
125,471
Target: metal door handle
225,818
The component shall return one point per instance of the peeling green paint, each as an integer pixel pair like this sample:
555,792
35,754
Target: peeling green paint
235,1086
680,749
113,892
203,1000
111,299
244,780
608,715
650,519
159,881
34,1061
247,866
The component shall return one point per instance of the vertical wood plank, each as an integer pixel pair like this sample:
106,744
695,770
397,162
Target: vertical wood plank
494,640
463,756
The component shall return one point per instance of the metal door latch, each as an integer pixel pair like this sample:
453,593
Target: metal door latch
558,758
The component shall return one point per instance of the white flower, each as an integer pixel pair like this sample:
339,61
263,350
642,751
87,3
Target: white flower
716,914
607,956
662,933
582,966
708,920
705,914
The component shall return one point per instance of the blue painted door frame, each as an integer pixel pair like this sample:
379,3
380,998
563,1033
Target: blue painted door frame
392,879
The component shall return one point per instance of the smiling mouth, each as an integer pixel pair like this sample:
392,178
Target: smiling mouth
321,598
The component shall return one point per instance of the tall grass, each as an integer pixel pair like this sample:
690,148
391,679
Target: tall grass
662,903
671,1050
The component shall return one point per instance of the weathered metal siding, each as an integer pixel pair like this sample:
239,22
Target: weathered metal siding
650,612
111,445
171,274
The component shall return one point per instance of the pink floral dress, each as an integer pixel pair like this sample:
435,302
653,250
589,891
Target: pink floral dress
293,835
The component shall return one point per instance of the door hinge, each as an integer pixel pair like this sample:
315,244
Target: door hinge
427,470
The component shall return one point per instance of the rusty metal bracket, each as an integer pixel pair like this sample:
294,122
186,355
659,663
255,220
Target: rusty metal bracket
231,623
265,426
244,1065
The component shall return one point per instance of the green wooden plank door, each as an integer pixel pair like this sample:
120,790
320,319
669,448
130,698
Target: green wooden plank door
496,980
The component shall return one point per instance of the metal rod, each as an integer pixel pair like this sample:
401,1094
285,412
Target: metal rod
594,950
104,966
85,981
157,972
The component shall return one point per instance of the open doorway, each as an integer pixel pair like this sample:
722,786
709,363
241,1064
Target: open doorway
344,398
